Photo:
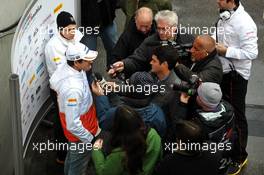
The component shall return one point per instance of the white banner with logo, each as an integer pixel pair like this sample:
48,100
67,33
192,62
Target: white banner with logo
36,27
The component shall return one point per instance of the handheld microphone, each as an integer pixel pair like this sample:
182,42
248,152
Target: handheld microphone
100,79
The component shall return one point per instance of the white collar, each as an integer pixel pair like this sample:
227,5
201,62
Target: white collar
64,41
238,10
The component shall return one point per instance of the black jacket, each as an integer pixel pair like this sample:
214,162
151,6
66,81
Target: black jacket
205,163
226,112
140,59
217,128
208,70
130,39
95,14
215,122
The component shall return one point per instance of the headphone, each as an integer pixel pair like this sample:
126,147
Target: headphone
226,14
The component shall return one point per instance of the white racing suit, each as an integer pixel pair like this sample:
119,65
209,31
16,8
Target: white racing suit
77,112
55,50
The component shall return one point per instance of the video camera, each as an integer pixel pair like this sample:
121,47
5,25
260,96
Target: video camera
189,87
183,50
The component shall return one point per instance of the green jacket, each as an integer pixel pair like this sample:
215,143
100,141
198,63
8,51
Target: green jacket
113,163
129,7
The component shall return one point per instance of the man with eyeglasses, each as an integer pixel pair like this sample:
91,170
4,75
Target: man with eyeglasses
206,64
167,22
139,28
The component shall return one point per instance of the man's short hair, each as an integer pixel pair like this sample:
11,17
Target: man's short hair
71,63
170,16
167,53
236,2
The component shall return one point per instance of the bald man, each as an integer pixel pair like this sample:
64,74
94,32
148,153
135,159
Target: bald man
206,63
144,19
139,28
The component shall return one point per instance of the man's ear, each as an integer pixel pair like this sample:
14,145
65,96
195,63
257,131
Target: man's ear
76,64
166,64
135,18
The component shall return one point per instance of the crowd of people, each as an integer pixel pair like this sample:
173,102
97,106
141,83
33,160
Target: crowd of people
173,103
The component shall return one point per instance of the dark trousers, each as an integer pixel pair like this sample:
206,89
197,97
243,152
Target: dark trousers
109,37
234,88
58,131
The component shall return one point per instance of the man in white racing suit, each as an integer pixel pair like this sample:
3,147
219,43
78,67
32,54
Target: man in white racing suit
77,111
237,46
55,57
57,45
